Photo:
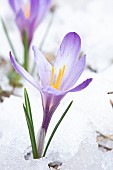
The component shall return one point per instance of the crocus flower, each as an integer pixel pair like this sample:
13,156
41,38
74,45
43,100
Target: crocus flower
29,14
57,80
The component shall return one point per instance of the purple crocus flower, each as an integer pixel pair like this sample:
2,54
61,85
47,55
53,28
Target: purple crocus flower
29,14
57,80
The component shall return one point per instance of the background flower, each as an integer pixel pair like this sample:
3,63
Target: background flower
29,14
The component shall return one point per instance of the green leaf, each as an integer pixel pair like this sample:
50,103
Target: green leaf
8,38
29,120
27,104
55,128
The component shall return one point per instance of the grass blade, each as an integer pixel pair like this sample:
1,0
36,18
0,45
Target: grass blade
8,38
56,127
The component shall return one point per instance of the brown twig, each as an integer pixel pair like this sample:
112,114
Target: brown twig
105,136
104,147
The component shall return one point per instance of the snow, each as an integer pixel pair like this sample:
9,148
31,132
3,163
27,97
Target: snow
11,158
88,151
74,144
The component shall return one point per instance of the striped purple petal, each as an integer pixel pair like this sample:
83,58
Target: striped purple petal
68,52
24,73
74,74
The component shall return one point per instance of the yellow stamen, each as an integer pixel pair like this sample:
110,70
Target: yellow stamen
27,10
64,67
52,77
58,81
59,77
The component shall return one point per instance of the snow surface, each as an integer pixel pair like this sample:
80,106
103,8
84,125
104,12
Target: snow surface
74,144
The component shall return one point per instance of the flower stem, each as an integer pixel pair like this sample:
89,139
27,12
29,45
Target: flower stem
8,38
55,128
26,50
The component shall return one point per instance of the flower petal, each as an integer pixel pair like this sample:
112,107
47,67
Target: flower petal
81,86
44,67
43,7
50,102
16,5
24,73
68,52
24,24
34,7
75,72
12,3
21,21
